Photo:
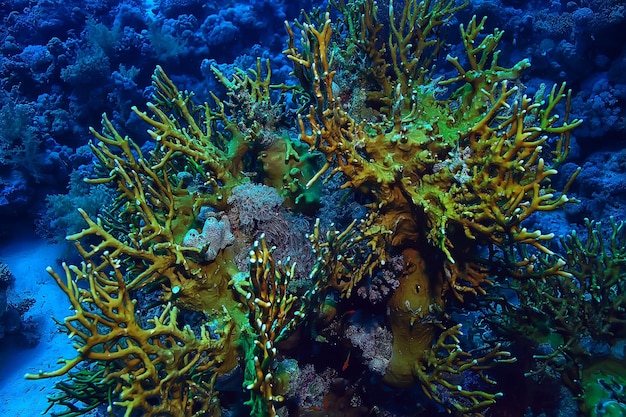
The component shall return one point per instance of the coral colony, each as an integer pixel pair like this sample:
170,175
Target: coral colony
212,285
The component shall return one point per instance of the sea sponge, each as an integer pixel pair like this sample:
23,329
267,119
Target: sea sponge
215,236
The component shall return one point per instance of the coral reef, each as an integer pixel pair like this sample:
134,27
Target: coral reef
582,341
448,168
431,210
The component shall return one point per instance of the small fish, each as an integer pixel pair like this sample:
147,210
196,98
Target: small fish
347,361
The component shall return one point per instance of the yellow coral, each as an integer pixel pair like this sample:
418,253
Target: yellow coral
445,175
272,315
157,368
446,165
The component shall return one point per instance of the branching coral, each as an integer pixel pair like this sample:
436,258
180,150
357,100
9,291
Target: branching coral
448,170
143,247
433,212
579,314
148,246
438,369
158,368
272,314
285,163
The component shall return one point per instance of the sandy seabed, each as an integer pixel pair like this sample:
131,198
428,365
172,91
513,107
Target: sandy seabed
27,258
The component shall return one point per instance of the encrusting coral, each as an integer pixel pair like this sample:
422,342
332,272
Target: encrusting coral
449,169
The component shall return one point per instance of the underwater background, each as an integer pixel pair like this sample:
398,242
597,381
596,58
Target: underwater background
303,208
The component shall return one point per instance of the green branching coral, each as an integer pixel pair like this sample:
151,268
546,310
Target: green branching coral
272,314
580,314
285,163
